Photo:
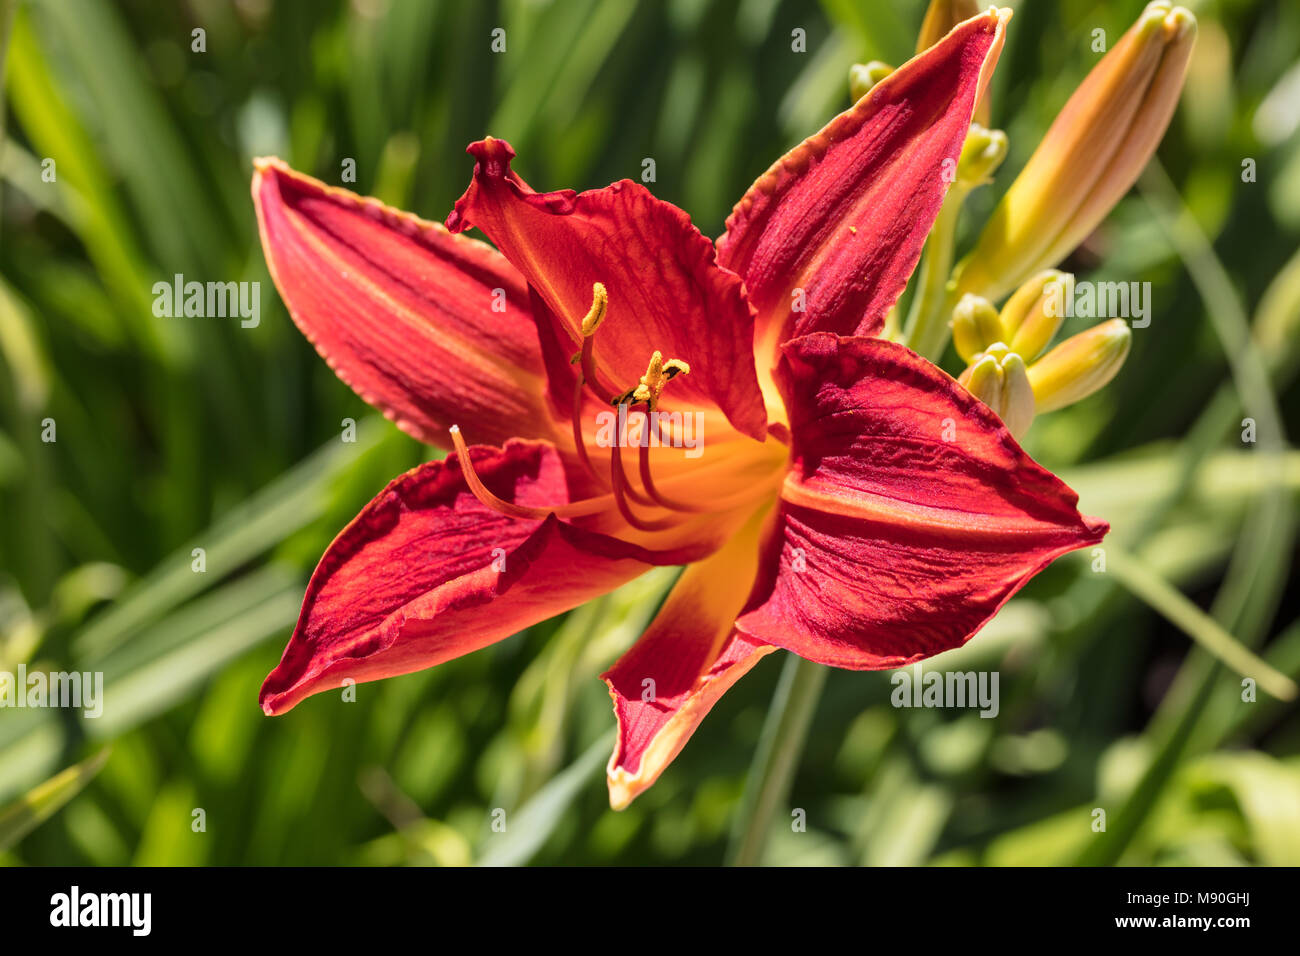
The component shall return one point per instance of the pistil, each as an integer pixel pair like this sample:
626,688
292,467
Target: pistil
576,509
646,392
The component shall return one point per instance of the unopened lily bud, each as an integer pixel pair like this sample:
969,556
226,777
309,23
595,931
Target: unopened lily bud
981,155
1018,403
940,17
975,326
983,379
1035,311
1000,380
1080,365
1091,155
863,76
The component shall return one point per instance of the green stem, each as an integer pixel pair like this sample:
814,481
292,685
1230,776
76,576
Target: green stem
926,332
1170,603
768,785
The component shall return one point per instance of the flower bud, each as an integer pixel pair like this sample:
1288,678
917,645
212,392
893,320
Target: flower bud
1018,403
1035,311
1091,155
1000,380
863,76
975,326
983,379
981,154
1080,365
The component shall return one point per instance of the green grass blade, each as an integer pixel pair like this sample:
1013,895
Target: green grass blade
38,805
527,830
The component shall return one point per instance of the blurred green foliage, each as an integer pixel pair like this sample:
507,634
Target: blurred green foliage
174,434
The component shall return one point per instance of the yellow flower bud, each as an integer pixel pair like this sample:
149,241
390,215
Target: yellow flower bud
1091,155
1000,380
940,17
975,326
1080,365
983,379
1018,403
863,76
1035,311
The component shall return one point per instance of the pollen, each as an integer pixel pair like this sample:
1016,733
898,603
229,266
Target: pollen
658,374
596,314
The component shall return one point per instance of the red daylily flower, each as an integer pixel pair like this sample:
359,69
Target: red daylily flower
850,503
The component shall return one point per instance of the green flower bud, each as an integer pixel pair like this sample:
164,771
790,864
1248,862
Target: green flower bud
981,155
863,76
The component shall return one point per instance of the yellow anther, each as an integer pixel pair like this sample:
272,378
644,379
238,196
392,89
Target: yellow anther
655,370
657,374
596,314
675,367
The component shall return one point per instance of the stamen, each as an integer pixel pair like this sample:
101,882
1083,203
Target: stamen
628,487
675,367
596,314
654,493
658,374
575,509
619,481
588,359
578,440
590,323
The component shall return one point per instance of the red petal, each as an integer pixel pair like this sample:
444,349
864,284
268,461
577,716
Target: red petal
408,583
691,655
665,290
402,310
843,216
910,514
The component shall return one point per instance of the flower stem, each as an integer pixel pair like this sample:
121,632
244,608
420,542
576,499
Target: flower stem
779,749
926,331
1170,603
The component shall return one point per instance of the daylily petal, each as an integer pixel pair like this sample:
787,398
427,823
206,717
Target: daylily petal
403,311
910,515
940,17
836,226
687,659
665,290
426,573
